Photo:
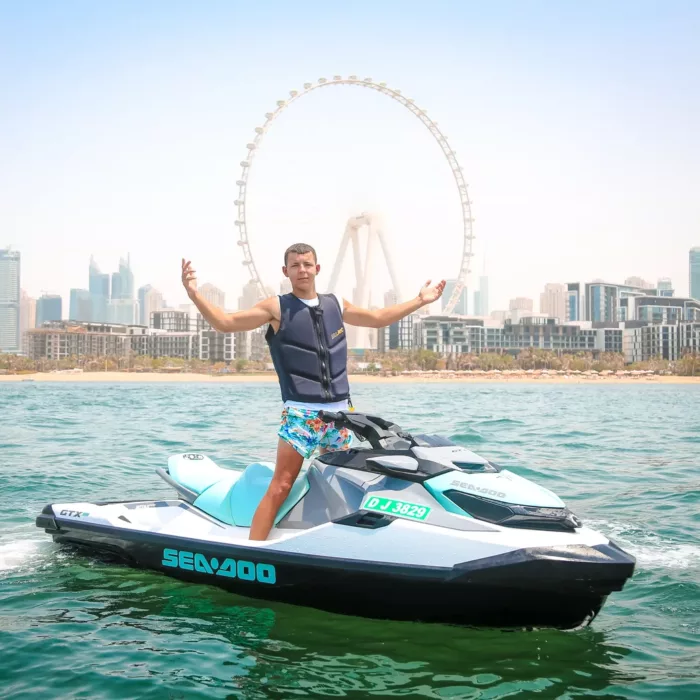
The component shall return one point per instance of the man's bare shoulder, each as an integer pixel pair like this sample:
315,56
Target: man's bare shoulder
271,305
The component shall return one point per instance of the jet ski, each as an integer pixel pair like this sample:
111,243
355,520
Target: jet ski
400,526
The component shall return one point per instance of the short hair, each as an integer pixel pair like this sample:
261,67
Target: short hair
299,249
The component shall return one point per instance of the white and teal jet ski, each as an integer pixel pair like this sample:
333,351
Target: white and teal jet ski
402,527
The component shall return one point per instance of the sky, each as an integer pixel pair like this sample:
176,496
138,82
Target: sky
123,125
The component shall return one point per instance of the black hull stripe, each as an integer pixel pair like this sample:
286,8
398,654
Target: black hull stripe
582,571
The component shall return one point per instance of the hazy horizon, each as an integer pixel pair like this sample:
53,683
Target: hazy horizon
123,129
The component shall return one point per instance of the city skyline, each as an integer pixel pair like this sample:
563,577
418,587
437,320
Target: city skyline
139,145
84,304
637,317
470,298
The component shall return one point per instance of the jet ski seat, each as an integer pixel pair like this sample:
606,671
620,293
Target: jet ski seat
197,472
230,495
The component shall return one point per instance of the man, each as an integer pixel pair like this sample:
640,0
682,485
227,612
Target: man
306,335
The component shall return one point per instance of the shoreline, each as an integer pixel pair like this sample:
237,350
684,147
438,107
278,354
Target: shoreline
157,377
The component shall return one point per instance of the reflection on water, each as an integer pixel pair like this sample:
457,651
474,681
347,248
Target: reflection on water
225,642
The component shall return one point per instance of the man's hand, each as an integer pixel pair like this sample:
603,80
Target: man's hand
189,278
428,294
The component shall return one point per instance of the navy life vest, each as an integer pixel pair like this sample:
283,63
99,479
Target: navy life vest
310,350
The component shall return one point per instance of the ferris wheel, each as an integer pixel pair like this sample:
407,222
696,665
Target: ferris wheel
367,83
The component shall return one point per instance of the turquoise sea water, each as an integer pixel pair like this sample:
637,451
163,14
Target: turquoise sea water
625,458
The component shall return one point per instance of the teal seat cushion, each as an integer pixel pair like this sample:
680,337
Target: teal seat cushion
234,500
197,474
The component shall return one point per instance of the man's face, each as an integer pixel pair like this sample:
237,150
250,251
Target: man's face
301,270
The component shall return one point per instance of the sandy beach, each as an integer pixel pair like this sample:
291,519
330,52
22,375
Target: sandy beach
437,377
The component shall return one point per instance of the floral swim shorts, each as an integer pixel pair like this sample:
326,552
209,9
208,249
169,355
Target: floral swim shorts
305,431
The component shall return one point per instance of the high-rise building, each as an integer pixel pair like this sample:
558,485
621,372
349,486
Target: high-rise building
599,301
250,296
124,311
664,287
484,292
213,295
462,305
123,281
553,301
99,293
638,282
80,305
481,297
116,286
153,301
397,336
519,308
9,300
150,301
144,318
27,316
520,304
49,307
391,298
122,307
694,273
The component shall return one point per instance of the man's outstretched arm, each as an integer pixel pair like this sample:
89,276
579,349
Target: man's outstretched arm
248,320
379,318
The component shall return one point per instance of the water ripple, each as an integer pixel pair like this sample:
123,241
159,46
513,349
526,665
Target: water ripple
623,457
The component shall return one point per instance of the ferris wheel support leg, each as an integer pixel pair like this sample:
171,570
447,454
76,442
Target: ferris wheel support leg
340,257
367,272
364,282
389,263
357,256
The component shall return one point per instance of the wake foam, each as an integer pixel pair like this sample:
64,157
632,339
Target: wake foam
651,551
14,555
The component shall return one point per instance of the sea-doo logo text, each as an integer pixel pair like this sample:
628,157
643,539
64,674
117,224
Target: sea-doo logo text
73,513
480,489
193,456
340,331
243,570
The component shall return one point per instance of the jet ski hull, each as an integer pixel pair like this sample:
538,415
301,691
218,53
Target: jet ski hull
561,587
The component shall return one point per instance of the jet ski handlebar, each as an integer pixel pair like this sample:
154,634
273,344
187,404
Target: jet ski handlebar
330,416
380,433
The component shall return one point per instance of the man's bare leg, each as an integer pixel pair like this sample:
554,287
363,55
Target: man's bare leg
287,469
